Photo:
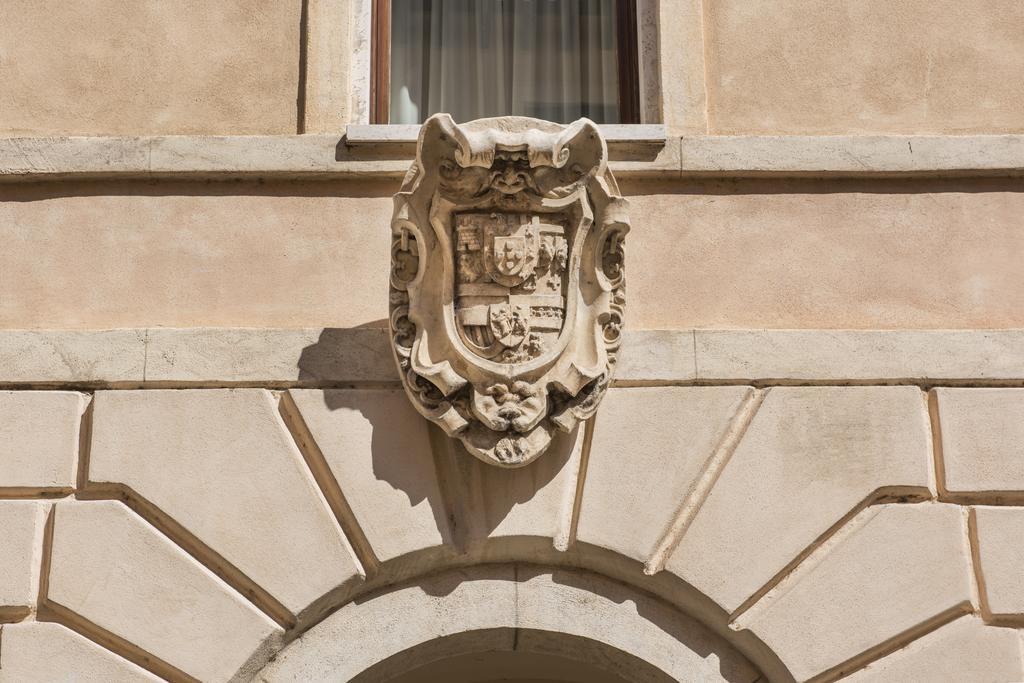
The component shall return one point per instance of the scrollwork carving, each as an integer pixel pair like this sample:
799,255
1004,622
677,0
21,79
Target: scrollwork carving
507,280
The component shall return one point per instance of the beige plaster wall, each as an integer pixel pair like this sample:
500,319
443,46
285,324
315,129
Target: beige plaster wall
114,67
124,67
839,254
853,66
183,254
746,254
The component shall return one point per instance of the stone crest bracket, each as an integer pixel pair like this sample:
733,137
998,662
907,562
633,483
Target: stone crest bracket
507,280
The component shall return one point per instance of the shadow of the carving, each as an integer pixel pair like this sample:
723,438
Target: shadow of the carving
343,356
482,496
469,499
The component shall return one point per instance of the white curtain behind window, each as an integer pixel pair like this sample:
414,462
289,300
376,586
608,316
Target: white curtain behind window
551,59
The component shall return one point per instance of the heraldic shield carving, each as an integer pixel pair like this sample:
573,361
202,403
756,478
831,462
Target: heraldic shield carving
507,280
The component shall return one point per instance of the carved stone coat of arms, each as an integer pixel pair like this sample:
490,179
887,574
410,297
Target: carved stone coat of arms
507,286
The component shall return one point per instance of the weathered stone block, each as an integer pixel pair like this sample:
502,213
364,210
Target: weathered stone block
21,547
535,500
649,449
982,439
118,572
810,456
378,450
599,609
656,356
363,633
71,356
965,650
221,463
45,653
1001,553
839,355
891,569
39,437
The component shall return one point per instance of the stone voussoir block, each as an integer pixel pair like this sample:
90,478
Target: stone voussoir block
37,651
982,442
365,632
964,650
649,449
892,569
378,449
21,546
1000,538
113,569
39,433
597,608
810,456
221,463
536,501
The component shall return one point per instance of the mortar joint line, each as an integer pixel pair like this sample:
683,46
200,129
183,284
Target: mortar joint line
890,645
581,479
193,546
701,490
145,354
978,587
327,483
937,464
831,537
85,430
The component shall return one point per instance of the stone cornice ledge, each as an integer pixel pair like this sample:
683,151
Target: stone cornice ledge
360,356
634,153
854,155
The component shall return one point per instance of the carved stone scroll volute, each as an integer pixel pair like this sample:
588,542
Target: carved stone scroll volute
507,280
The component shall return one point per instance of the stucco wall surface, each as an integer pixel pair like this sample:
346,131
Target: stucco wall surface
861,66
115,67
729,66
747,254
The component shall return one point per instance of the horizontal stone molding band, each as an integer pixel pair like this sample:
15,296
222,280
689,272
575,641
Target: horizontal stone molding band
314,357
385,151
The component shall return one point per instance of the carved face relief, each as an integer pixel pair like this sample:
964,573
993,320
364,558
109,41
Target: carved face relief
507,283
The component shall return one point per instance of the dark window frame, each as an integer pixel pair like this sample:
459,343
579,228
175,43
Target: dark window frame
626,53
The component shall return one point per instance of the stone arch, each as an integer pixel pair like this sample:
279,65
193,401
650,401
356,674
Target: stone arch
511,608
860,572
512,655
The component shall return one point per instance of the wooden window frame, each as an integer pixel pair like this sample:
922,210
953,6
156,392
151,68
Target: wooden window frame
627,54
380,65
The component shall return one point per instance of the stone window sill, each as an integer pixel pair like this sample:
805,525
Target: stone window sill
653,134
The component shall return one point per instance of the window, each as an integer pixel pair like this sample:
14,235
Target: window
550,59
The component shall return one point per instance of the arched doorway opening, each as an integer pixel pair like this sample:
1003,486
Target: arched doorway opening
535,657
